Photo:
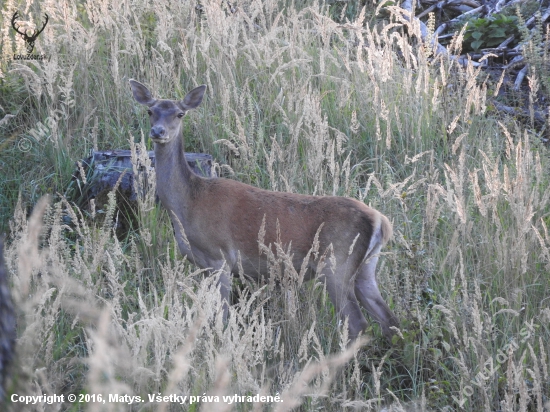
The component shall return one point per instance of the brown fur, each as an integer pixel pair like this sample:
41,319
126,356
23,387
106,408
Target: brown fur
221,219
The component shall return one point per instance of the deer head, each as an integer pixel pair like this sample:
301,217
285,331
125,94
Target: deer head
165,115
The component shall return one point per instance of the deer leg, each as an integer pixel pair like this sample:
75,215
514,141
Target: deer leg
345,302
367,292
356,320
225,291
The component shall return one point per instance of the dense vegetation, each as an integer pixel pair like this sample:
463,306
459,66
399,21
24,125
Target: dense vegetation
301,97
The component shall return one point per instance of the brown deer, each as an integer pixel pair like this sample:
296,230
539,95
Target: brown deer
217,222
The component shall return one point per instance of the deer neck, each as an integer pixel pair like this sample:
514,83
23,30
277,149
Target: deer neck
175,179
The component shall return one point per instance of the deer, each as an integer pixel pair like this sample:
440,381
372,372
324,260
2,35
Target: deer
217,222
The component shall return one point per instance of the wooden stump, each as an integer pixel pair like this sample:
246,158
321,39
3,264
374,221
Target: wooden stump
103,169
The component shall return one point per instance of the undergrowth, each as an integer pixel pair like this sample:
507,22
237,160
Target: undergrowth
300,101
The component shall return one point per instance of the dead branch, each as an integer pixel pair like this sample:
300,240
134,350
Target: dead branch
407,5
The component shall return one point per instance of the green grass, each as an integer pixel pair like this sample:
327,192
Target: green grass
295,101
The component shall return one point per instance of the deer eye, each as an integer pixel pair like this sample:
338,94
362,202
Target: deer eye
180,115
149,112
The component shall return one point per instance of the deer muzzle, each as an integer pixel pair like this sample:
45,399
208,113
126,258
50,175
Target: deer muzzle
158,132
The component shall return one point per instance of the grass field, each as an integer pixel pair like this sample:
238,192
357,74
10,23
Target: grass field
304,97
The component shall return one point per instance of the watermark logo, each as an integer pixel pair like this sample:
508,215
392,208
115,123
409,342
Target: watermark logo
490,367
29,36
46,131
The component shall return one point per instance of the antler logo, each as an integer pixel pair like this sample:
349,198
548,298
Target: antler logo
28,39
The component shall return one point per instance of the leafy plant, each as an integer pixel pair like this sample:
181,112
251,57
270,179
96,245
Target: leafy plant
489,31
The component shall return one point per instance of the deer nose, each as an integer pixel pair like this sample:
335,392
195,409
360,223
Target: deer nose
157,131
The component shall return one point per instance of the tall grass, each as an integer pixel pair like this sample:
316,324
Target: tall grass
296,101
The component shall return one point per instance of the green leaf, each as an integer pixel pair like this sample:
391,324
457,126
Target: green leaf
477,35
498,33
476,44
479,22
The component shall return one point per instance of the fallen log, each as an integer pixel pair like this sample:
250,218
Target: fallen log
104,171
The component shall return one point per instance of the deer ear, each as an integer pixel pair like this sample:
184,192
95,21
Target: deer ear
141,93
193,98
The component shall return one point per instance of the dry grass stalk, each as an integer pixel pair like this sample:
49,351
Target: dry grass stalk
306,104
